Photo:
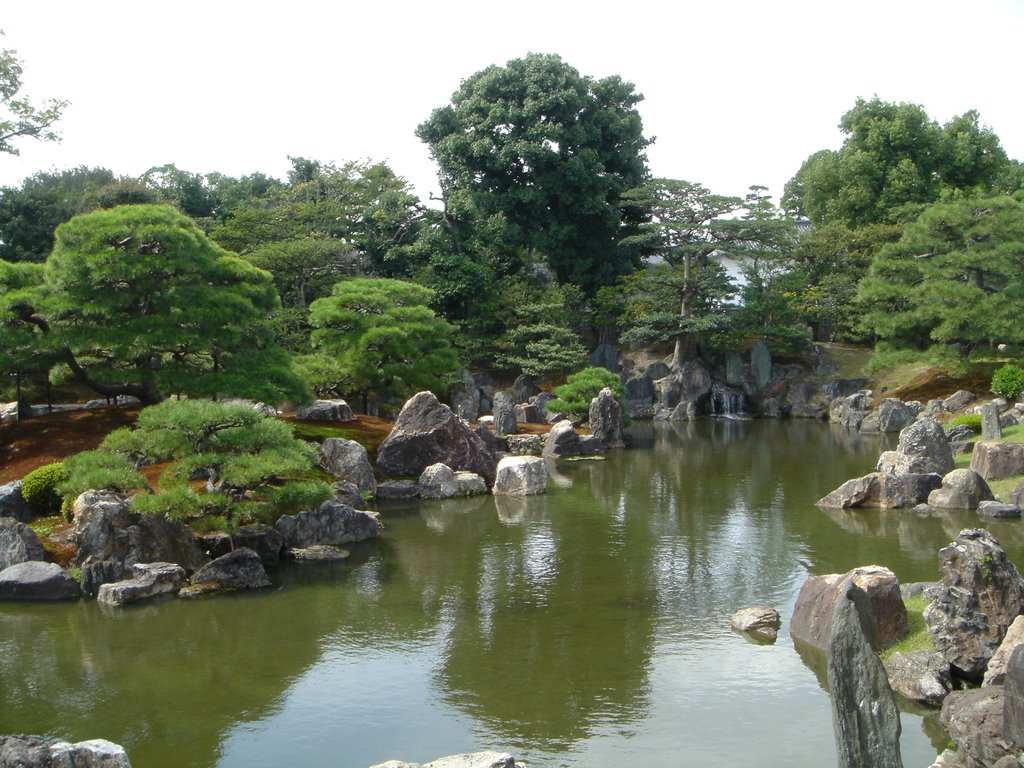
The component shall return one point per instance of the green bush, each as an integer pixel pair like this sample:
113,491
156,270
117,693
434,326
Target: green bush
972,420
39,489
99,471
1008,381
579,389
300,495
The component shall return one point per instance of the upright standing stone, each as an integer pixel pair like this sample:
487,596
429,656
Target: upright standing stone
990,428
761,364
504,413
523,388
1013,698
733,369
606,419
864,712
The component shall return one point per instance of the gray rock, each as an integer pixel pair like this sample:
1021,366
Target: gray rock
667,391
923,449
761,364
464,396
504,413
523,388
605,356
426,433
961,489
41,752
734,369
843,387
760,620
639,391
148,580
528,413
96,573
35,580
1013,698
684,411
958,400
521,476
264,540
347,460
694,383
995,460
915,589
318,553
801,394
12,504
998,509
894,415
771,409
438,481
980,595
850,411
240,569
590,445
959,433
990,427
869,425
326,410
18,543
562,441
524,445
332,524
398,489
919,676
974,721
858,492
934,407
898,491
995,672
605,417
821,363
864,712
485,433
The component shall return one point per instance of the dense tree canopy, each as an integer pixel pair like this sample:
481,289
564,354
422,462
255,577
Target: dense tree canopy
552,150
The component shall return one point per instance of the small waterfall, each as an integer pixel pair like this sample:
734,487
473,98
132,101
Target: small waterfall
727,403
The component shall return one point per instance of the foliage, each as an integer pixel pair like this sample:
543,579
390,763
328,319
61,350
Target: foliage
887,356
1008,381
551,150
379,338
299,495
39,489
972,420
540,338
99,471
583,386
19,118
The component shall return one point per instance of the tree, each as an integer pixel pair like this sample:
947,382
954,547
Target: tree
552,151
580,388
19,118
135,300
540,338
955,277
378,337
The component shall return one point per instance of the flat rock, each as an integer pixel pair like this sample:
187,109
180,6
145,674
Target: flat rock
326,410
761,620
333,523
318,553
998,509
35,580
470,760
148,580
398,489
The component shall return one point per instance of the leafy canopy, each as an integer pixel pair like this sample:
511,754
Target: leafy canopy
19,117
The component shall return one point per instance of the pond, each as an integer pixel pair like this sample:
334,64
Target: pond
587,627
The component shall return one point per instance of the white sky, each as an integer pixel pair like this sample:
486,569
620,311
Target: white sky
737,93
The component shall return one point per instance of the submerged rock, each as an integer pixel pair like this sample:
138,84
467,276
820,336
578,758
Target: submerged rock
761,620
470,760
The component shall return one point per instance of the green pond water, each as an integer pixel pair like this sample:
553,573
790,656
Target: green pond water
587,627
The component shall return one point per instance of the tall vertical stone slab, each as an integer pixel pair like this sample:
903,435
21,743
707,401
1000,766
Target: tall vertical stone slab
733,369
761,364
990,427
864,712
504,413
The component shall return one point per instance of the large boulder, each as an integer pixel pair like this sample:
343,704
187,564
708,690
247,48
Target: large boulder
18,543
980,595
850,410
521,476
994,460
42,752
347,460
812,614
894,415
523,388
332,524
240,569
464,396
974,721
639,390
35,580
265,541
961,489
858,492
923,449
326,410
694,383
13,504
864,712
919,676
561,441
605,418
995,672
427,432
148,580
898,491
438,481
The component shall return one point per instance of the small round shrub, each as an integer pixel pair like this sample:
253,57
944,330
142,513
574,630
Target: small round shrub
972,420
39,489
580,388
1008,381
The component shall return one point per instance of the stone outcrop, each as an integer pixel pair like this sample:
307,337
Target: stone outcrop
35,580
961,489
760,620
438,481
605,417
923,449
919,676
524,445
561,441
333,523
980,595
427,432
42,752
240,569
816,602
18,543
974,721
864,712
850,410
995,672
13,504
347,460
1013,698
326,410
521,476
265,541
148,580
995,460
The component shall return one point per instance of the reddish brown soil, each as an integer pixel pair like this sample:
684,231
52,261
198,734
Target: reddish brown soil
937,383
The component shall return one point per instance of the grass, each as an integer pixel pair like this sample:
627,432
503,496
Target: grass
918,639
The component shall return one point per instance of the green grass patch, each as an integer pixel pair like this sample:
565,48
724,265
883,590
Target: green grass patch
918,639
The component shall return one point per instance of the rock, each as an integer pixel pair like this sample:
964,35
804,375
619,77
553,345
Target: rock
974,721
990,427
761,364
843,387
894,415
812,613
96,573
520,476
148,580
398,489
318,553
472,760
919,676
438,481
465,397
858,492
524,445
241,569
504,413
959,433
267,410
605,419
347,460
961,489
155,539
850,411
426,433
869,425
12,504
958,400
694,383
333,524
348,493
326,410
528,413
592,446
35,580
266,541
980,595
995,460
995,673
734,369
41,752
667,391
998,509
923,449
761,620
1013,698
864,712
1017,495
561,441
684,411
18,543
639,390
605,356
523,388
915,589
898,491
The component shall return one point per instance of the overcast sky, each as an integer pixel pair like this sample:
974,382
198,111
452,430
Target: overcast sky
737,93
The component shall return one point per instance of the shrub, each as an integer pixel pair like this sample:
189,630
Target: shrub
300,495
99,471
575,395
972,420
39,489
1008,381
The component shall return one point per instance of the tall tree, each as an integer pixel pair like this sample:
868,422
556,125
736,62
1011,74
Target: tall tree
19,117
551,150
